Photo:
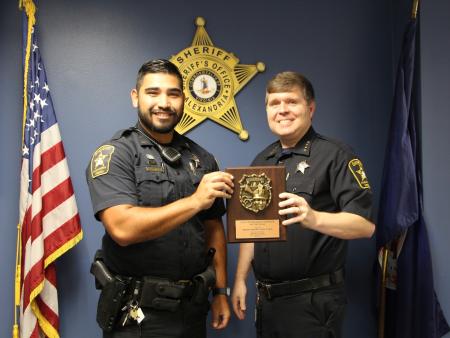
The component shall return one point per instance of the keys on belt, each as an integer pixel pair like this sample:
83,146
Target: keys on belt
155,293
132,310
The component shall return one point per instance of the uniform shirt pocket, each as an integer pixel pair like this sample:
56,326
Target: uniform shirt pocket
197,175
303,188
154,188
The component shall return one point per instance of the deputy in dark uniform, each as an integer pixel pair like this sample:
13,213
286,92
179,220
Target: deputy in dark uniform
328,200
159,196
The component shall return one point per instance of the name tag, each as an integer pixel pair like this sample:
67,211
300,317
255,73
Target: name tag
155,169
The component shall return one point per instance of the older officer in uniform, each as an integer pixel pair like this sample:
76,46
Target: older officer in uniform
327,201
159,197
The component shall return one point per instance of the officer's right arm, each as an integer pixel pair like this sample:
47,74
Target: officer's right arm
128,224
246,253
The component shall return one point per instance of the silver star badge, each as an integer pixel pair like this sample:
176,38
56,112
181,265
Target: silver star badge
301,166
196,161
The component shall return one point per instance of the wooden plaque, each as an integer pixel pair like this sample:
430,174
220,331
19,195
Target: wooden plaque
252,210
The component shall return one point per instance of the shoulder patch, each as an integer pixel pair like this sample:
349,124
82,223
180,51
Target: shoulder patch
356,167
100,160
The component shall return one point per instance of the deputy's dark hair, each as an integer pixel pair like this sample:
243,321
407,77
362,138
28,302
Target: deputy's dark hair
286,81
158,66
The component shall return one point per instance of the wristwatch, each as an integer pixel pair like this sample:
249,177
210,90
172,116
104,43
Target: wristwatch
221,291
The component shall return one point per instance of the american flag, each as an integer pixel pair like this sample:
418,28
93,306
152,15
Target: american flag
49,219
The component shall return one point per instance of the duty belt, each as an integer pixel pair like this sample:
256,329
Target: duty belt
272,290
164,294
157,293
122,297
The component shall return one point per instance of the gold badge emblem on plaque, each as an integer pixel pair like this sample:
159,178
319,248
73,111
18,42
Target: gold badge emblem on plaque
211,79
255,192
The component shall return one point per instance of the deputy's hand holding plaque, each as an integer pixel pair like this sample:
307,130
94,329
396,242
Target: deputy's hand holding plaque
252,210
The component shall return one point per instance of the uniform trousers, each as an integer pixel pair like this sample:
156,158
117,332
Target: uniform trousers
188,321
313,314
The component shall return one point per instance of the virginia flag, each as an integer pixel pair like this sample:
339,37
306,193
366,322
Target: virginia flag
412,309
48,214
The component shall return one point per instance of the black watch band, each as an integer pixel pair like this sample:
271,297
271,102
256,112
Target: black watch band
221,291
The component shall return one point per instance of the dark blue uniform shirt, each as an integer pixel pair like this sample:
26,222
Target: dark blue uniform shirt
129,169
330,178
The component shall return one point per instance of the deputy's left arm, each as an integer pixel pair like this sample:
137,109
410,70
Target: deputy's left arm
344,225
215,238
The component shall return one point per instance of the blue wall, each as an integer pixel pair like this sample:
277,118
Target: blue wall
435,73
92,50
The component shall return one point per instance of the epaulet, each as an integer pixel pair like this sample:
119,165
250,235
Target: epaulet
271,149
336,142
184,139
186,142
122,133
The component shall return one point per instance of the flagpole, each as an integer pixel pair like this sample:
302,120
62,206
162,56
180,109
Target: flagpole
382,311
415,8
30,9
15,332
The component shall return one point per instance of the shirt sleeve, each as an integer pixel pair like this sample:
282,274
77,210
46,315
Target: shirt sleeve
217,210
350,187
111,178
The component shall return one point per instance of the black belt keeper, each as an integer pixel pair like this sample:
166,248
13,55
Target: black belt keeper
272,290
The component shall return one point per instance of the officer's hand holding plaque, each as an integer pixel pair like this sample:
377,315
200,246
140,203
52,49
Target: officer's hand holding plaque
252,210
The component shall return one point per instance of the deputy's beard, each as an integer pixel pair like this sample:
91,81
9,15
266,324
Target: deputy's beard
146,120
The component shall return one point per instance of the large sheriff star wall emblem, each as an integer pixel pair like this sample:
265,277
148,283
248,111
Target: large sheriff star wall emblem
211,79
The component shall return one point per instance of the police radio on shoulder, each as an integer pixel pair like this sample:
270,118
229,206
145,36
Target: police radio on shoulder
169,154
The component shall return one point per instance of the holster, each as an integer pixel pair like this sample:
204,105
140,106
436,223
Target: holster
153,292
101,273
113,294
203,283
110,303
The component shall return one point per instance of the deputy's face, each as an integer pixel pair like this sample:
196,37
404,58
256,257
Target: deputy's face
159,101
289,115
